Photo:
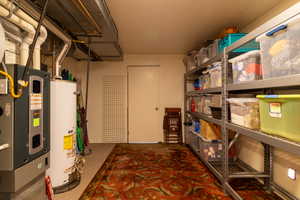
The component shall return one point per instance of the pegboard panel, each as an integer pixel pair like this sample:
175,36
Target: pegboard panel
114,109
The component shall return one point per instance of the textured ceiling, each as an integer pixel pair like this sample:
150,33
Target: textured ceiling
176,26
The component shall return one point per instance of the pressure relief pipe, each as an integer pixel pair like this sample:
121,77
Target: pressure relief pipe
42,36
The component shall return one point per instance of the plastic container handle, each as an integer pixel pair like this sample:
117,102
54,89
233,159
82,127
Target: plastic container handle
279,28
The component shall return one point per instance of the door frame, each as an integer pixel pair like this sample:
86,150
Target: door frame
128,66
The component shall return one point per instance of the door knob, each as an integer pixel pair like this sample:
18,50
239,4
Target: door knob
156,108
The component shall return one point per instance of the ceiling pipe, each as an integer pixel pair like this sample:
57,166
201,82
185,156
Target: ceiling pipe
85,11
54,29
24,49
43,31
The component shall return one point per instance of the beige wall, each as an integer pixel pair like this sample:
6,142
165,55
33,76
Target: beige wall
171,84
283,5
251,151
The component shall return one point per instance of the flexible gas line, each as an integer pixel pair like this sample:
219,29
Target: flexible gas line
23,84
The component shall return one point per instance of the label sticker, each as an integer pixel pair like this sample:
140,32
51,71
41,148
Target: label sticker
68,142
275,110
36,101
36,122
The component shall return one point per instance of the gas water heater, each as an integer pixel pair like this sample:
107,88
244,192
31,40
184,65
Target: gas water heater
62,169
24,130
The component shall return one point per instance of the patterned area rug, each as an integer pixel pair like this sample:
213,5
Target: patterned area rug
160,171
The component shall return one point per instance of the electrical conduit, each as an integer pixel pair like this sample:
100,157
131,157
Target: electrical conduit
43,31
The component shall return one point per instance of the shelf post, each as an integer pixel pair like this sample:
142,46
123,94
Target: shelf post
224,120
268,165
186,135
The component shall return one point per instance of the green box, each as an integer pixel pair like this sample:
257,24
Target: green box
280,114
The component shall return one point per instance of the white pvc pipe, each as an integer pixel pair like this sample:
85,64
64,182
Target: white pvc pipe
37,57
24,50
2,42
13,37
24,53
53,28
43,31
59,58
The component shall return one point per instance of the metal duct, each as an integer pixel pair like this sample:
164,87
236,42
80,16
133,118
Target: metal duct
108,45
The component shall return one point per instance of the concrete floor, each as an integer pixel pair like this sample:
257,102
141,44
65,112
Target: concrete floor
93,164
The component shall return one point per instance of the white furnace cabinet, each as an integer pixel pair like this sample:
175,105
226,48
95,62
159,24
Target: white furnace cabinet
63,132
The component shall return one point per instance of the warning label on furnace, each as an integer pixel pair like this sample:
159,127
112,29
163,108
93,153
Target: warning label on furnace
36,102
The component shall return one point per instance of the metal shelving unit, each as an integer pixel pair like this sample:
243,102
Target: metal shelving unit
206,91
288,81
223,172
213,167
203,66
205,117
288,146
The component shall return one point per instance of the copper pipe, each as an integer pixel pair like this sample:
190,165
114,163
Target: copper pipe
85,11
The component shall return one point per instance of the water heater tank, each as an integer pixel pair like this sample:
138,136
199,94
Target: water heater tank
63,134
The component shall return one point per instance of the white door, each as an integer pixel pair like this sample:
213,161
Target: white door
143,105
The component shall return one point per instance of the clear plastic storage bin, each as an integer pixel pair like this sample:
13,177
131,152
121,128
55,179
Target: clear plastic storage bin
189,62
194,141
207,103
206,80
216,75
245,112
246,67
216,100
213,49
280,114
211,151
201,56
203,105
280,49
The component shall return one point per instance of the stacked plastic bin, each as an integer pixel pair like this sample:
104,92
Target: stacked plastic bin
279,56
